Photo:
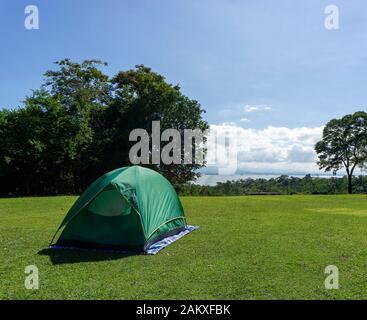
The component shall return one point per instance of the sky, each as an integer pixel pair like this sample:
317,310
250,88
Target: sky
267,68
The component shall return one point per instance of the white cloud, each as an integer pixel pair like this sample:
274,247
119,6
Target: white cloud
244,120
273,149
299,153
240,113
256,108
228,124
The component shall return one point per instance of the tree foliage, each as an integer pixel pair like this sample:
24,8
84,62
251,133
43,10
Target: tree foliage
344,145
140,97
76,127
281,185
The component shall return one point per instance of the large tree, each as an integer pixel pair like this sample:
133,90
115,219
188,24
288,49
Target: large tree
343,145
141,96
38,145
47,144
84,92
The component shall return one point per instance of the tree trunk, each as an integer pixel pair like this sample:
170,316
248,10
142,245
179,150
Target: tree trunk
27,187
350,189
75,182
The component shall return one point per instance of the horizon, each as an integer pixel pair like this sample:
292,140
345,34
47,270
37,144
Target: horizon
213,180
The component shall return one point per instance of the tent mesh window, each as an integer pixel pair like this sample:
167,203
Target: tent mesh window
110,203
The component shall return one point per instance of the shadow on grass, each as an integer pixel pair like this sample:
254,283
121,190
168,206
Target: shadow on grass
67,256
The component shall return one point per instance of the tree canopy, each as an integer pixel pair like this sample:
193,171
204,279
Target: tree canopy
76,127
142,96
344,145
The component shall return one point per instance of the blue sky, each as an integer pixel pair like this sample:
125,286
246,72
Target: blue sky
267,63
226,54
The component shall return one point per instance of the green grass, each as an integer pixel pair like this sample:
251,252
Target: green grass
257,247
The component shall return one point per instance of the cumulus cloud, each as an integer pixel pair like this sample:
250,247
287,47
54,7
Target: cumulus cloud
271,149
299,153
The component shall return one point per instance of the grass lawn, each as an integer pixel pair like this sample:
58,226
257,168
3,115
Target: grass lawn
258,247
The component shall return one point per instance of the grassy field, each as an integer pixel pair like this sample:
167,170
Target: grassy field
257,247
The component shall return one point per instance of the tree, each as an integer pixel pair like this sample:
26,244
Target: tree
58,133
46,144
4,134
84,92
22,150
343,144
38,143
141,96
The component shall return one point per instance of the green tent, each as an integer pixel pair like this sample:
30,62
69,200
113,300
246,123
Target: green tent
126,209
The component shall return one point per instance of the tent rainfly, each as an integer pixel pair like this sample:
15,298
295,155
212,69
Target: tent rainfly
127,209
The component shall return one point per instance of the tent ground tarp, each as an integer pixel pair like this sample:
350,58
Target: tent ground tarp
152,250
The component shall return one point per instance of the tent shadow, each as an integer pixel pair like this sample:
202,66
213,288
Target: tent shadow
65,256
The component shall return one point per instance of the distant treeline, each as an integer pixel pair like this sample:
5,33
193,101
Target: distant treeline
281,185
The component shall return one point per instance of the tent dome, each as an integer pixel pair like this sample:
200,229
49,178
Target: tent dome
127,209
